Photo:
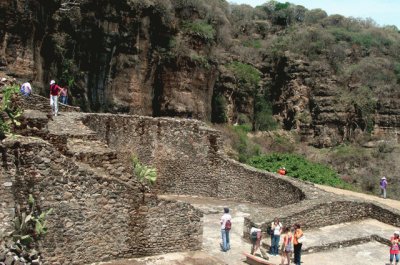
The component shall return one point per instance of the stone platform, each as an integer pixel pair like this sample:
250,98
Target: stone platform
346,243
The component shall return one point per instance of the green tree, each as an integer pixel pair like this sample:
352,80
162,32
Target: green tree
218,114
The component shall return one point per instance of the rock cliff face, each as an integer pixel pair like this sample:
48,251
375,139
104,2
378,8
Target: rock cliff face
140,57
110,50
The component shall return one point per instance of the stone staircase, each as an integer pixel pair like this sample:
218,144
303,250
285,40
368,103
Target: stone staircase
76,141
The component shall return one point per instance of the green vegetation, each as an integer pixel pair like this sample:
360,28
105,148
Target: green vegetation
200,60
298,167
246,74
200,29
146,176
244,146
264,120
30,226
10,111
256,44
219,109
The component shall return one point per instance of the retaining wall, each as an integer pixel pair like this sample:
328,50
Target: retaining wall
95,218
189,159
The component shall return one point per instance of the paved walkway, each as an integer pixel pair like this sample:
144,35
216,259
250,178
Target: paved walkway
366,253
346,232
388,202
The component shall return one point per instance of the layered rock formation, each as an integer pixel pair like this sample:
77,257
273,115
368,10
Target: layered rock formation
155,58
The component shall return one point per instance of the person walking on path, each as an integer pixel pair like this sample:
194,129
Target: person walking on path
64,95
383,186
394,248
55,91
297,243
287,246
255,237
226,222
276,227
26,88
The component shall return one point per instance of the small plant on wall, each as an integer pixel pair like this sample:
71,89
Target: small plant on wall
9,110
146,176
30,226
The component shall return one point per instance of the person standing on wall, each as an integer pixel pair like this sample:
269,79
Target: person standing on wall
226,222
298,239
55,91
383,186
276,227
64,95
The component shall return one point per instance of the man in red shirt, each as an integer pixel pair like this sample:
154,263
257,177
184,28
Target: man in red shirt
55,91
282,171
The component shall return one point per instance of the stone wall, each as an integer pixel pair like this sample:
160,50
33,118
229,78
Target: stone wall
189,159
95,218
6,194
320,214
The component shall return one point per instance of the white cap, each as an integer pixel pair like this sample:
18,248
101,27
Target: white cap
396,232
52,82
383,177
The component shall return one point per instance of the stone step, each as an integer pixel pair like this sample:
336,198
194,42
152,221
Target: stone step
92,152
344,235
33,123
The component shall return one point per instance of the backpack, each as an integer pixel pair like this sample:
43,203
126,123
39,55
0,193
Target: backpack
228,225
253,236
270,231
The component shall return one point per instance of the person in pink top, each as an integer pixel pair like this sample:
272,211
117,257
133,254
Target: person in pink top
394,248
64,95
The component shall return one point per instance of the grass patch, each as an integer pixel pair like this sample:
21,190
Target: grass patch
300,168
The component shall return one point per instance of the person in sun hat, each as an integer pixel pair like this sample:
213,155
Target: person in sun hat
55,91
383,186
394,248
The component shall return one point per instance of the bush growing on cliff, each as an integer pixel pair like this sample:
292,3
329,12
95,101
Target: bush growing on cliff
200,29
263,120
247,75
10,111
243,146
298,167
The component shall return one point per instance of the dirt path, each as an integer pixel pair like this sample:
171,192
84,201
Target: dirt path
388,202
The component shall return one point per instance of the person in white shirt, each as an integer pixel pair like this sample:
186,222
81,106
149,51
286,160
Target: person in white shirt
255,237
225,229
276,227
26,88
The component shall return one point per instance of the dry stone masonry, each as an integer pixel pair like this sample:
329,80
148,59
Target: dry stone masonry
78,164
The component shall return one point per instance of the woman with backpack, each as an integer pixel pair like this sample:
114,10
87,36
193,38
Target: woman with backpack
226,223
287,246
